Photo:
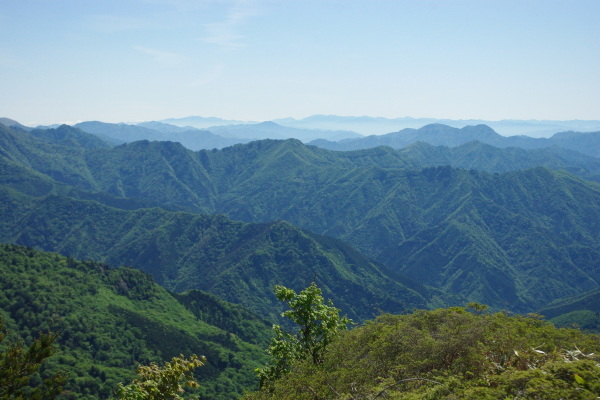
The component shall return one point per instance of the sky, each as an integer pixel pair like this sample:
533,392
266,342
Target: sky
66,61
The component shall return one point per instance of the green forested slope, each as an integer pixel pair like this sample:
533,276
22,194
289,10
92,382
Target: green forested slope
110,320
517,239
484,157
237,261
581,311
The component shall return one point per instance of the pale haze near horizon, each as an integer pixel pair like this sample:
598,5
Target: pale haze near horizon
114,61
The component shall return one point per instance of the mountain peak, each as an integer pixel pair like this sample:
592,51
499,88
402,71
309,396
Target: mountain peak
268,124
11,123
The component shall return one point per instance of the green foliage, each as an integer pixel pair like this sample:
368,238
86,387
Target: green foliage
237,261
449,354
19,363
229,317
162,383
111,320
319,323
518,239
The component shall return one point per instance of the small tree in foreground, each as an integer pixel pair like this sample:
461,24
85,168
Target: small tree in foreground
156,383
318,324
18,364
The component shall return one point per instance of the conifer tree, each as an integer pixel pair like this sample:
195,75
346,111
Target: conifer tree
18,363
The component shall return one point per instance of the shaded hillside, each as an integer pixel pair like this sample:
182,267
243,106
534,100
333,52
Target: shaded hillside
513,240
111,320
484,157
70,136
237,261
581,311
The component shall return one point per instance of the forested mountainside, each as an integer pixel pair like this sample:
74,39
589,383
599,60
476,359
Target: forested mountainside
462,148
424,234
485,157
438,134
111,320
581,311
240,262
516,240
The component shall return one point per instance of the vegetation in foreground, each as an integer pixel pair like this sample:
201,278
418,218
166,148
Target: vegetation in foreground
109,321
453,353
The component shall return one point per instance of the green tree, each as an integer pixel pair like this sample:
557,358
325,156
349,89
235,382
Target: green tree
318,324
156,383
18,364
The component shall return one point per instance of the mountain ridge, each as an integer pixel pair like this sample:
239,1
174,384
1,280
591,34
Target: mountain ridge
372,200
437,134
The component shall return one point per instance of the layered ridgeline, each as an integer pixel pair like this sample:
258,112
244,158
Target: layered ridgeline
581,311
514,240
212,137
443,135
240,262
111,320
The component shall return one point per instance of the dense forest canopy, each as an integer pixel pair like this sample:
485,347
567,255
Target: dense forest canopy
386,233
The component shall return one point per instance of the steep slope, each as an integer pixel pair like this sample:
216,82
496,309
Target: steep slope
110,320
69,136
64,162
490,237
238,262
484,157
163,172
11,123
581,311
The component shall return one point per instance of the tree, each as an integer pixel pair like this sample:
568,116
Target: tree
156,383
18,364
318,324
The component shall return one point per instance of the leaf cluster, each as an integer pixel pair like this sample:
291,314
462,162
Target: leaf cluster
449,354
18,363
162,383
318,323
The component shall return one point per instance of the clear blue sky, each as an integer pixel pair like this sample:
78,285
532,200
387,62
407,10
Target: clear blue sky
134,60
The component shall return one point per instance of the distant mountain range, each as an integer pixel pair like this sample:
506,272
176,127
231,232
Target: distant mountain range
213,137
192,138
514,240
443,135
421,218
378,126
